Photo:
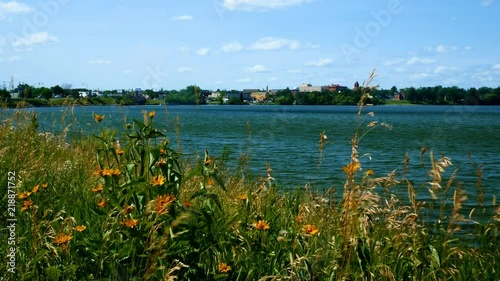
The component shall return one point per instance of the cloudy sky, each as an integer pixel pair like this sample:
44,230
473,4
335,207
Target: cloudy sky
236,44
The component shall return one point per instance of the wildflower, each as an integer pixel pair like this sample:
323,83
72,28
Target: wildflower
310,229
152,114
162,203
62,238
44,185
80,228
167,141
370,172
115,172
351,168
208,161
158,180
98,188
98,171
24,195
98,118
210,182
187,204
120,151
35,189
243,197
160,163
27,204
299,219
131,223
107,172
127,209
224,268
163,152
261,225
103,203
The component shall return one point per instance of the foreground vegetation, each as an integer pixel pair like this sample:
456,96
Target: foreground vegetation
98,209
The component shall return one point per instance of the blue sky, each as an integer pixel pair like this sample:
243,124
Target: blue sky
237,44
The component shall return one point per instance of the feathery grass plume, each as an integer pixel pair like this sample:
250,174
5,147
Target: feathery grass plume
479,188
459,198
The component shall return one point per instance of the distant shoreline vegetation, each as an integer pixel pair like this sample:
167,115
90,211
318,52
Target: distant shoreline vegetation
29,96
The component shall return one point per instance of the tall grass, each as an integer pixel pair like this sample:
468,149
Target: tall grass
138,209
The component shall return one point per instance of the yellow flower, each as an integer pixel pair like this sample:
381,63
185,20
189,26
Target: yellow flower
131,223
310,229
80,228
370,172
162,203
224,268
127,209
299,219
44,185
167,141
208,161
115,172
120,151
98,118
351,168
103,203
98,188
163,152
62,238
27,204
243,197
107,172
24,195
152,114
158,180
35,189
261,225
210,182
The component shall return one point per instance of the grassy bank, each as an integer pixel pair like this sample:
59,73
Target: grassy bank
95,209
36,102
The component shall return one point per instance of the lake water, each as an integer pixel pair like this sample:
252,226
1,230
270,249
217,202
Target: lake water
287,137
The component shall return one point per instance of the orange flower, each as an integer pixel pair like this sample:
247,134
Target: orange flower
98,118
98,171
44,185
167,141
160,163
162,203
120,151
131,223
127,209
224,268
210,182
103,203
35,189
27,204
370,172
299,219
187,204
158,180
310,229
152,114
62,238
243,197
24,195
98,188
351,168
115,172
163,152
261,225
208,161
107,172
80,228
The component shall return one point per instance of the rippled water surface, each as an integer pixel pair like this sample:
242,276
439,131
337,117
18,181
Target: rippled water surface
287,138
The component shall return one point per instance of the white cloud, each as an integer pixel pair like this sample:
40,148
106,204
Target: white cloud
393,62
183,17
99,61
183,49
232,47
444,69
203,51
445,49
244,80
419,76
486,2
272,43
183,69
11,59
320,62
14,7
496,66
468,48
417,60
258,68
252,5
34,39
